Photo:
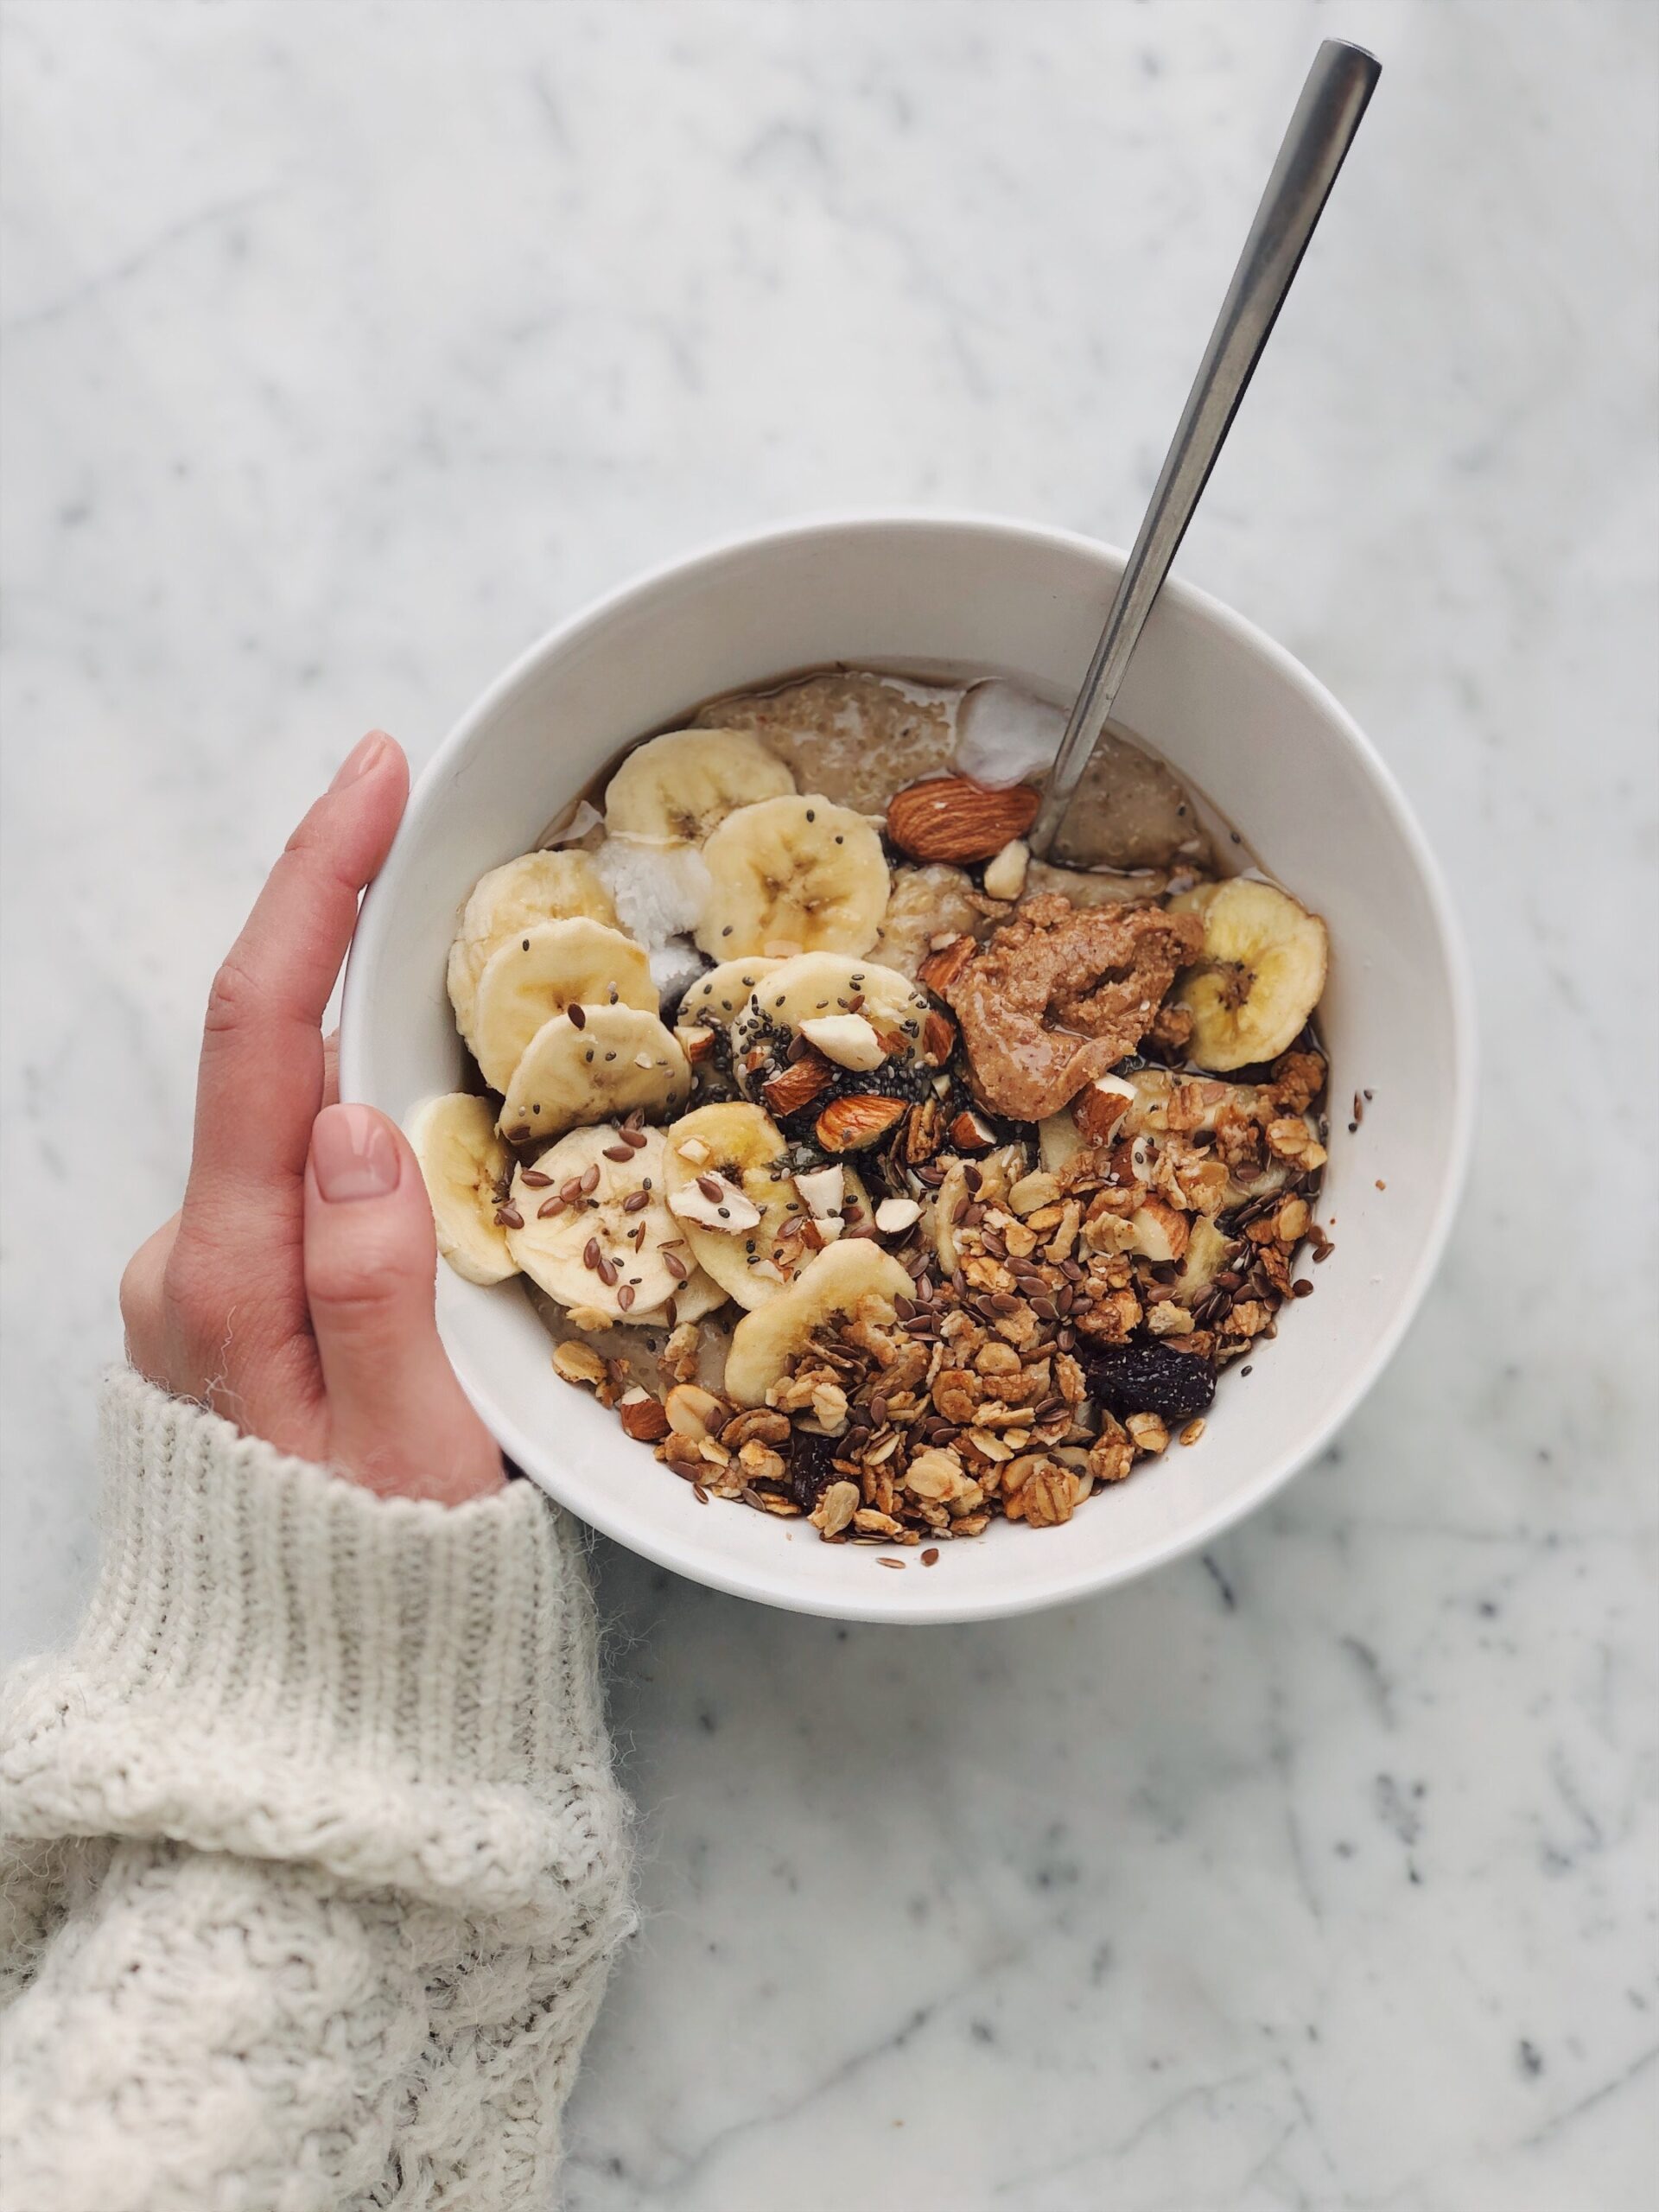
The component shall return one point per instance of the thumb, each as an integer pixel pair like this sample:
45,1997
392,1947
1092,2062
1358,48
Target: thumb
398,1421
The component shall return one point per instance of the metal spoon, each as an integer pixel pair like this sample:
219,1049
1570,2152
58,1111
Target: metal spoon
1321,130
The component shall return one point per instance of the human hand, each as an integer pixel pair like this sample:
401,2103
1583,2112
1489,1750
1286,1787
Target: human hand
293,1292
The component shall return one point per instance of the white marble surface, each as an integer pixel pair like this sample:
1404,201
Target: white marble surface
345,347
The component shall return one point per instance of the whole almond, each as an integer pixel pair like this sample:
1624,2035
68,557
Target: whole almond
953,818
849,1124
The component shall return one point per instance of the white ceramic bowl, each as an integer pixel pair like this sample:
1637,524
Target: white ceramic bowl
1232,712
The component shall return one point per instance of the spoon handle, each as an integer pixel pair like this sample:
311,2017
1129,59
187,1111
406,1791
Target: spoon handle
1321,130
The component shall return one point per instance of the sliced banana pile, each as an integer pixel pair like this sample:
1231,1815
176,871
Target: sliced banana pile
793,875
1259,977
549,967
555,1003
536,888
830,1286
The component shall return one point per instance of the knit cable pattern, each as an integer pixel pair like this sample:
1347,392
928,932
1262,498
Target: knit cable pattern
313,1856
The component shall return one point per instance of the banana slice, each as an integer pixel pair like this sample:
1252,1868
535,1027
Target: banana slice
796,872
699,1295
858,1014
816,989
596,1231
676,789
1058,1141
730,1190
590,1064
464,1166
536,888
1259,977
552,965
831,1284
721,994
1207,1253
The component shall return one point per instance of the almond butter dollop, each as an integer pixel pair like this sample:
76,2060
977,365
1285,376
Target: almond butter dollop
1062,993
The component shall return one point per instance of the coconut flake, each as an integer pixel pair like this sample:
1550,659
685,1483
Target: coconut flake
824,1190
584,818
846,1038
729,1210
1005,734
659,890
674,967
895,1214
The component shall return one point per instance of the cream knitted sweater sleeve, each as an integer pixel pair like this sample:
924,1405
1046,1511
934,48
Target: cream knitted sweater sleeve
314,1856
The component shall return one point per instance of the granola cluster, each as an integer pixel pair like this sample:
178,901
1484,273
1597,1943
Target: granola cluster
1062,1322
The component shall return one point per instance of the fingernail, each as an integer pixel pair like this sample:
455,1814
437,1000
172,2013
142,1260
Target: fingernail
362,756
353,1155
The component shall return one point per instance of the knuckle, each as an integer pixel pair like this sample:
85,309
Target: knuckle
137,1297
233,1000
192,1288
312,853
361,1290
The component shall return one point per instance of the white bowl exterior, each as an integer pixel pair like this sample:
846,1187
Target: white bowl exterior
1229,710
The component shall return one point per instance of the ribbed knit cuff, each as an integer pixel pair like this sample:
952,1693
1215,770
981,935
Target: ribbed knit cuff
279,1663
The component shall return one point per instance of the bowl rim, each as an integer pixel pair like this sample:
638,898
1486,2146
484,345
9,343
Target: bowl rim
737,1579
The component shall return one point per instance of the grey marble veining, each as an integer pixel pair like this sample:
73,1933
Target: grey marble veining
347,347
